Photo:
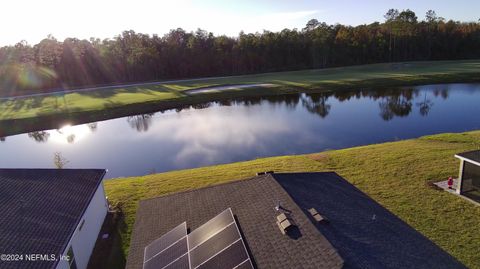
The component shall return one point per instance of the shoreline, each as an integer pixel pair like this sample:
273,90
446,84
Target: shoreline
56,119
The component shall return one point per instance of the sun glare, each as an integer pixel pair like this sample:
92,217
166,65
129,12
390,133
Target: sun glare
70,134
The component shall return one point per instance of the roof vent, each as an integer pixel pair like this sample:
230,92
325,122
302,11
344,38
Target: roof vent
316,216
265,173
285,223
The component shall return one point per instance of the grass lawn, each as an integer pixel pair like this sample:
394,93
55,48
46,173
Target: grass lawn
174,93
395,174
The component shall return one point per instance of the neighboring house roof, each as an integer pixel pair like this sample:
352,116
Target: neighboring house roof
364,233
41,208
470,155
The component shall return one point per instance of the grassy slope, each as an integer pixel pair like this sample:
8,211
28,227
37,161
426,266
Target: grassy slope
323,79
394,174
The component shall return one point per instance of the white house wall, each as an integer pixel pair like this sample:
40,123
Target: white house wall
84,240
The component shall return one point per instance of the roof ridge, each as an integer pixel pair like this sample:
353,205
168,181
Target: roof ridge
235,181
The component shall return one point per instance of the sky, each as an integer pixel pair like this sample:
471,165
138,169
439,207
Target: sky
33,20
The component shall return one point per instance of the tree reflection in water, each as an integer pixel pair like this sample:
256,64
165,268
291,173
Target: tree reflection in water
399,106
425,106
393,102
40,136
93,126
71,138
443,93
317,104
140,123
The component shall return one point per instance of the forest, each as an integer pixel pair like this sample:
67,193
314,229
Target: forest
135,57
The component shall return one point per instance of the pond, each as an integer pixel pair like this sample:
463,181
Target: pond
248,128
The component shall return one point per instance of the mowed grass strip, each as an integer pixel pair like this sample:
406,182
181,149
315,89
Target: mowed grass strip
394,174
374,75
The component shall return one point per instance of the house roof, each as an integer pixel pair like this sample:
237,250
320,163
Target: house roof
470,155
253,203
41,208
360,233
365,233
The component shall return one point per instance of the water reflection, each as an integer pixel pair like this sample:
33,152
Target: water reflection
443,93
425,106
391,103
67,134
317,104
93,126
141,123
41,136
247,128
399,106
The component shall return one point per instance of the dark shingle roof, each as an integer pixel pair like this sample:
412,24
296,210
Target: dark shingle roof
40,209
365,234
252,202
471,155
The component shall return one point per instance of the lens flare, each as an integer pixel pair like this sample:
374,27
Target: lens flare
29,75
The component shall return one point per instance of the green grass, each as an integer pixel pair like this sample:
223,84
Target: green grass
395,174
375,75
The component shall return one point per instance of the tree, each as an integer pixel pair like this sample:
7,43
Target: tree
59,161
391,15
311,25
431,16
135,57
407,16
390,20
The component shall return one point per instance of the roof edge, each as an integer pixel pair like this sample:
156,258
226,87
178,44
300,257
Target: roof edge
467,159
77,222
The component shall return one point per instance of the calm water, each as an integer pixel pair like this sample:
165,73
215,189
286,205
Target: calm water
244,129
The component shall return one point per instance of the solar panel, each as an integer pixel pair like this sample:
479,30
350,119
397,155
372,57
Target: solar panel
229,258
246,264
210,228
168,255
216,244
165,241
181,263
213,245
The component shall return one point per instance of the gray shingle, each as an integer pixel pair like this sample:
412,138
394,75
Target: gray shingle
365,233
252,202
360,233
40,209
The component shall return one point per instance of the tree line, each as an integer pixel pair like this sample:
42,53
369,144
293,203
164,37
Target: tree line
136,57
